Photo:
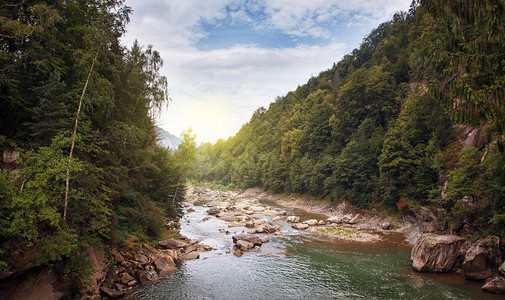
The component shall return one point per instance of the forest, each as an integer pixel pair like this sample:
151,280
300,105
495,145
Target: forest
78,108
413,117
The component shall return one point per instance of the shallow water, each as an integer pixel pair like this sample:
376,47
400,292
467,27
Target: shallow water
299,266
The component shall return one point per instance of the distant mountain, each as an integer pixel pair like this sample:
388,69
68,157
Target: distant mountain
166,139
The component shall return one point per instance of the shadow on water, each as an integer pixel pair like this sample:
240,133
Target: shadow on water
297,265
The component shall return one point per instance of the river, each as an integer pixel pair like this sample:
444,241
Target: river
298,265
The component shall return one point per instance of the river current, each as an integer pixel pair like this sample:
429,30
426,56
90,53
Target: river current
298,265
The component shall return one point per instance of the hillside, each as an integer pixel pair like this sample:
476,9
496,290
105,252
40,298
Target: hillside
387,126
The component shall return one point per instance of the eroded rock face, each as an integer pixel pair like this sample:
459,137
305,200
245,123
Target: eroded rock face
435,253
483,259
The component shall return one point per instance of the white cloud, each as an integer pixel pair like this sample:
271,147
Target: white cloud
216,91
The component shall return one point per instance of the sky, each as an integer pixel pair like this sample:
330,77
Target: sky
224,59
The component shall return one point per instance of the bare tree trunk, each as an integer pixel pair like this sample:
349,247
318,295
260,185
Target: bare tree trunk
74,134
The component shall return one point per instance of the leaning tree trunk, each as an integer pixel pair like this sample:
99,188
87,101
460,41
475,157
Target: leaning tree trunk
74,134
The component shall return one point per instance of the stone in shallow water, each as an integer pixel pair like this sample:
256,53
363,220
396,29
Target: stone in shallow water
483,259
246,237
300,226
435,253
293,219
244,245
191,255
495,285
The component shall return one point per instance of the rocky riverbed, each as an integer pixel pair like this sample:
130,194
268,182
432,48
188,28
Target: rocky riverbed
480,260
247,210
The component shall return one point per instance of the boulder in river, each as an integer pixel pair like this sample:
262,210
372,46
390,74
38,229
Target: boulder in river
300,226
293,219
171,244
483,259
334,219
146,276
246,237
165,265
495,285
311,222
213,211
435,253
386,225
244,245
191,255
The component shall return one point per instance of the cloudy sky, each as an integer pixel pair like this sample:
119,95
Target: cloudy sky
225,58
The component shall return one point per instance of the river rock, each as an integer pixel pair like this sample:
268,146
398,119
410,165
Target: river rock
191,255
191,210
172,244
483,259
495,285
259,222
165,265
386,225
311,222
244,245
228,218
147,276
125,278
213,211
501,269
112,293
264,239
246,237
293,219
300,226
435,253
355,219
334,219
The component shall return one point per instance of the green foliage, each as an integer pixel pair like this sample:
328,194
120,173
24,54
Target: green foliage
475,190
467,64
120,179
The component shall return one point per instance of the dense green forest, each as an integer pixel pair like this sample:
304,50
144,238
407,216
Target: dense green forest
386,124
79,108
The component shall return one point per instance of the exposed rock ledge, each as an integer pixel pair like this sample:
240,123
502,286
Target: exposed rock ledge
482,260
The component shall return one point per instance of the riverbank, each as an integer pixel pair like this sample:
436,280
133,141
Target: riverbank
341,222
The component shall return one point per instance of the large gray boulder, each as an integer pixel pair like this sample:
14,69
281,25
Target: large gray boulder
483,259
435,253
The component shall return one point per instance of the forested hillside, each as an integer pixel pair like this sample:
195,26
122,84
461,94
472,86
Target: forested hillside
413,117
78,108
